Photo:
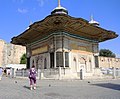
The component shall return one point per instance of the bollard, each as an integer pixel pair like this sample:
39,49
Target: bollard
39,74
13,73
23,72
82,74
59,72
114,72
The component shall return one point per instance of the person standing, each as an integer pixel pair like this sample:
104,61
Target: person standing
32,77
0,73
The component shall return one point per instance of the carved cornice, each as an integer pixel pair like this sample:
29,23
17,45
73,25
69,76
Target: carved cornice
64,23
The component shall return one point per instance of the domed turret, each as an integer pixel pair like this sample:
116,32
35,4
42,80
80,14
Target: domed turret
92,21
59,9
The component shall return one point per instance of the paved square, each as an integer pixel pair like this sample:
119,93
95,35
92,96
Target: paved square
14,88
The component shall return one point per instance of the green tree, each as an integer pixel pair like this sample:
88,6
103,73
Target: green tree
106,53
23,59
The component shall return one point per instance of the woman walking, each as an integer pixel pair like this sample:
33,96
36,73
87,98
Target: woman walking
32,77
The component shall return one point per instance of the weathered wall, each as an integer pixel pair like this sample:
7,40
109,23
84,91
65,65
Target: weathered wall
2,43
10,53
108,62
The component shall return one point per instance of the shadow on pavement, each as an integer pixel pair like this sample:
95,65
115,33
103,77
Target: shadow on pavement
109,85
26,87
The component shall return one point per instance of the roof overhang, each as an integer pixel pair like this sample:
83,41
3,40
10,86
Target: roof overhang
66,23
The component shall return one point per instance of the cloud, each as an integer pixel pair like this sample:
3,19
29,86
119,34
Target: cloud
22,10
40,2
21,1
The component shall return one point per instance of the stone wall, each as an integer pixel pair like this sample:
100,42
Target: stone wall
108,62
2,43
10,53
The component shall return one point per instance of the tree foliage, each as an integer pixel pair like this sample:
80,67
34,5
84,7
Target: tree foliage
23,59
106,53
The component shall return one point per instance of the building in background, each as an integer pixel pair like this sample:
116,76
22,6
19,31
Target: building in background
64,43
10,53
108,62
2,43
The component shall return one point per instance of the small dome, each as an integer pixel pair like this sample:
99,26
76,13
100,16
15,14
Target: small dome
59,9
92,21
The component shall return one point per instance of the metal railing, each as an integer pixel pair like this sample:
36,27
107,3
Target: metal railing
47,73
113,72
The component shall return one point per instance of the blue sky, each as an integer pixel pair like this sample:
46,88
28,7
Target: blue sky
16,16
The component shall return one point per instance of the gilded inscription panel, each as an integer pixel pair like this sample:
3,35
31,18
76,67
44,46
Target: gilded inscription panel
40,50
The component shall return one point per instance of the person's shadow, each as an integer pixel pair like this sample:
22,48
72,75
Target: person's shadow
109,85
27,87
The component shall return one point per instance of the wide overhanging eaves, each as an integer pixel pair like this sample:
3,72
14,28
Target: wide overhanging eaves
66,23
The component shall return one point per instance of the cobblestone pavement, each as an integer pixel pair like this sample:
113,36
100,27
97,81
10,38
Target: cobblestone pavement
14,88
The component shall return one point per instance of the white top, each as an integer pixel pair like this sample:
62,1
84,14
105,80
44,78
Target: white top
92,21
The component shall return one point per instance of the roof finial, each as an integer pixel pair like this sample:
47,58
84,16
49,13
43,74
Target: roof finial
91,17
92,21
59,3
29,25
59,9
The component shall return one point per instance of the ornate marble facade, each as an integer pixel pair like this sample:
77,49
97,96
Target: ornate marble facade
68,52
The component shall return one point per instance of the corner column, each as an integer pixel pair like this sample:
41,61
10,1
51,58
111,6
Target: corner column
54,51
28,55
63,59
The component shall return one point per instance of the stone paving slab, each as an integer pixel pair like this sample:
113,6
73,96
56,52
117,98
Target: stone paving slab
14,88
